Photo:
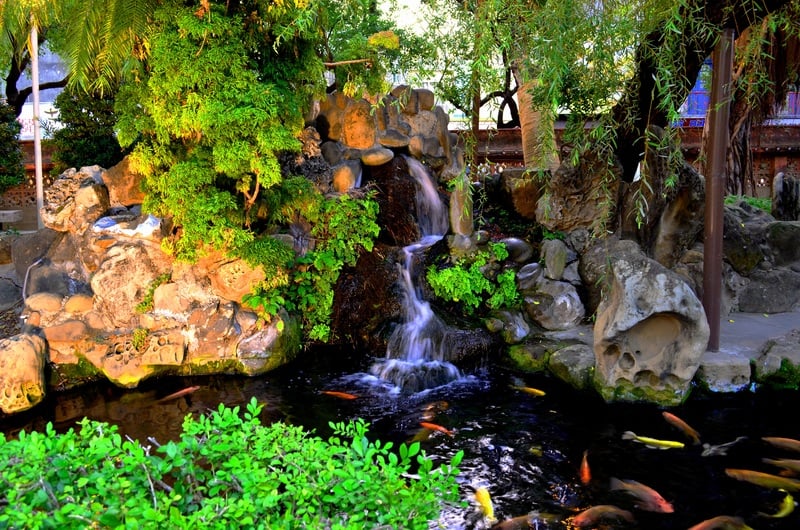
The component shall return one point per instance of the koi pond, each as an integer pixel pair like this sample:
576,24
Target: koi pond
525,449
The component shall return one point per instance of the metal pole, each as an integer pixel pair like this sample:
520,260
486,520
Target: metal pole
37,133
718,141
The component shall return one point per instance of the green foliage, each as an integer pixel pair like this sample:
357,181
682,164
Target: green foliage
762,203
147,302
467,282
340,227
226,471
87,136
12,171
139,338
224,94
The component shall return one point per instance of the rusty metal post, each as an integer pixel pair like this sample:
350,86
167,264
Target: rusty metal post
717,148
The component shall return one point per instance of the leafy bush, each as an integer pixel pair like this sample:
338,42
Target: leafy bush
224,472
87,136
340,227
12,171
466,282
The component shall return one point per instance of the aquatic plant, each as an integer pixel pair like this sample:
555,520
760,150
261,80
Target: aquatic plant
226,471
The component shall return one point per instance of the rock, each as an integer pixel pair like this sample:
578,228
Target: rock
573,365
126,360
519,251
358,125
511,325
554,305
531,356
271,347
79,304
346,176
554,253
783,239
69,331
75,200
46,302
393,139
22,378
650,332
724,372
124,278
760,295
739,247
786,197
232,280
779,361
521,191
10,294
528,276
572,201
5,250
376,156
124,185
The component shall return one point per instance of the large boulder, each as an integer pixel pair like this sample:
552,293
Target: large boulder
650,332
75,200
22,381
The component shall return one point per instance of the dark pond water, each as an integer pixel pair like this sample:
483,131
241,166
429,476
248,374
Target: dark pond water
525,449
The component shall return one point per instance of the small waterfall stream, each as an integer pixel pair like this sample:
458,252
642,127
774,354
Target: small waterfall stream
415,353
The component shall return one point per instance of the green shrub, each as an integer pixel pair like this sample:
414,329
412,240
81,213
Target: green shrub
87,136
762,203
224,472
466,282
12,171
340,227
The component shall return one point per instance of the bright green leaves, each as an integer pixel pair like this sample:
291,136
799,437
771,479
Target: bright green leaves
471,282
225,471
210,118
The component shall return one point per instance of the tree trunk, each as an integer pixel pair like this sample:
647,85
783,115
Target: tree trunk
536,128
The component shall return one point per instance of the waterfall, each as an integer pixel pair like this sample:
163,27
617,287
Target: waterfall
415,353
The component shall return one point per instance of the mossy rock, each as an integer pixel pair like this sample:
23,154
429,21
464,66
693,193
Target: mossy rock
787,377
627,391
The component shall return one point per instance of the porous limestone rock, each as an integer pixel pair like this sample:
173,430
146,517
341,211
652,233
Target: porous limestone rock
650,332
22,380
75,200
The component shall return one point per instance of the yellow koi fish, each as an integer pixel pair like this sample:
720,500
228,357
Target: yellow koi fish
529,390
786,507
652,442
485,502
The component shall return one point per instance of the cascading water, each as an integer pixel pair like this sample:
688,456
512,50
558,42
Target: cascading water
415,354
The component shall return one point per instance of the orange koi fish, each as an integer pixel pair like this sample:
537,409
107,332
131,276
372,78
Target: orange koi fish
650,499
586,474
783,443
791,466
341,395
591,516
436,427
180,393
682,426
722,522
764,479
